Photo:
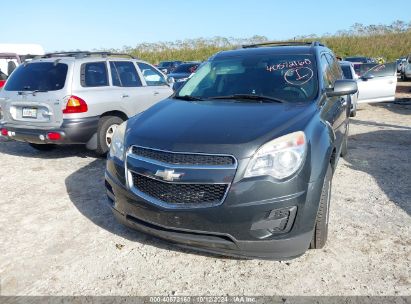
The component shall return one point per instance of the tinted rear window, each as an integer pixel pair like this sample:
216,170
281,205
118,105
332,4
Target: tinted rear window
43,76
94,74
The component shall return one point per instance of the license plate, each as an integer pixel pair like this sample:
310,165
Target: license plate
29,113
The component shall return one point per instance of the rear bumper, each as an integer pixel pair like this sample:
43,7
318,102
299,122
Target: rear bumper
72,131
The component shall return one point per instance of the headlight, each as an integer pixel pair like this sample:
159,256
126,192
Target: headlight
279,158
117,142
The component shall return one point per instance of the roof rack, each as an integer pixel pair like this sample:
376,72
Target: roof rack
282,43
83,54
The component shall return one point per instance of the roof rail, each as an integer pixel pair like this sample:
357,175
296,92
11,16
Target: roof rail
282,43
83,54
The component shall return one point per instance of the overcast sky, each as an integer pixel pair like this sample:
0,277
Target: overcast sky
91,24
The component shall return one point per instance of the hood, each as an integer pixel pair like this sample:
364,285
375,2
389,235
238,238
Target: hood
225,127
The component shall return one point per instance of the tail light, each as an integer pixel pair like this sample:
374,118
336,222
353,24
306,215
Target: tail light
4,132
53,135
75,105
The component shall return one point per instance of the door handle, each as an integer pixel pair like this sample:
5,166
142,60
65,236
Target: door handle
156,93
124,96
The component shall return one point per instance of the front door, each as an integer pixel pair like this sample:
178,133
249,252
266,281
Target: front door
377,83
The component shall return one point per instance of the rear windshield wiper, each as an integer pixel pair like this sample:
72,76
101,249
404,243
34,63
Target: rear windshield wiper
187,97
31,92
38,91
252,97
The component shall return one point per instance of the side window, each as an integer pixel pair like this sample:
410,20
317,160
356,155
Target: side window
326,72
94,74
378,70
124,74
335,67
152,76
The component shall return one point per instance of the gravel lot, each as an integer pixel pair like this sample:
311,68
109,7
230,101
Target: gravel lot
57,237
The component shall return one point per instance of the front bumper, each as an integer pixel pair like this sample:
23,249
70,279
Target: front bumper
72,131
238,227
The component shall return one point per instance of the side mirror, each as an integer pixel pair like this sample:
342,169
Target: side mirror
170,80
366,77
343,87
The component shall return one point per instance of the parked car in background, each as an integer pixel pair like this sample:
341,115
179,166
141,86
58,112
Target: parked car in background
184,70
240,161
358,61
400,62
12,55
377,82
168,66
77,98
406,69
349,73
8,63
3,78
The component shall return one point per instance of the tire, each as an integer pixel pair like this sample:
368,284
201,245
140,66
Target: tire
321,223
344,145
353,112
42,147
106,124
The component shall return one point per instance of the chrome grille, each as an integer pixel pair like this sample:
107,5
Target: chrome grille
184,158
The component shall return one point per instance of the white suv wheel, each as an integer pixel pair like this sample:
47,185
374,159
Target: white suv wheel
109,134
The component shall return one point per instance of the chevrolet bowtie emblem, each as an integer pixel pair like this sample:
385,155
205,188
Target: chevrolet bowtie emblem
168,175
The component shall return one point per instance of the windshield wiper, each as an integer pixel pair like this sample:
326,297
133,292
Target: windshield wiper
187,97
38,91
31,92
251,97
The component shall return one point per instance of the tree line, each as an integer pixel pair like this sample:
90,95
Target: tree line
388,41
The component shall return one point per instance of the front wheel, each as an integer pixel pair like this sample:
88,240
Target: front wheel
321,223
353,112
105,131
344,145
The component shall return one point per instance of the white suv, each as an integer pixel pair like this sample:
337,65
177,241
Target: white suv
77,98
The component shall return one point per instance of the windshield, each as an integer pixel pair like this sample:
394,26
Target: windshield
42,76
285,77
186,68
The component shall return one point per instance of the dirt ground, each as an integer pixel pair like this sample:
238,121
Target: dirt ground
58,237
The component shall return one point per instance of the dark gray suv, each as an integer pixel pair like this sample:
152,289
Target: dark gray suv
240,160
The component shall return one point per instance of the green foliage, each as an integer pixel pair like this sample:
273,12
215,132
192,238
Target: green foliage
387,41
